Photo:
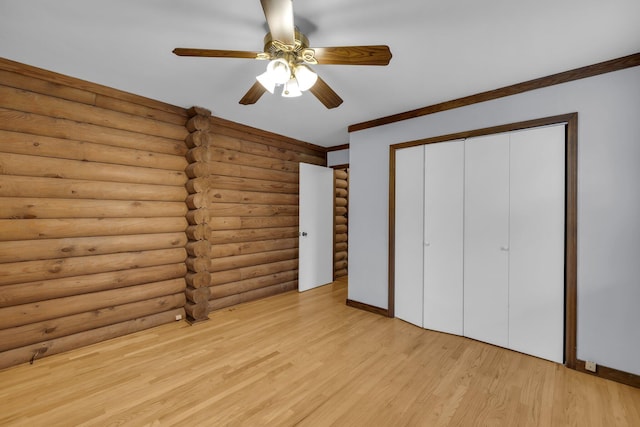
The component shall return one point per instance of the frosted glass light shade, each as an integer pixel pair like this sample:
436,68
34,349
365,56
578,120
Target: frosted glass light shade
305,77
291,89
266,81
279,71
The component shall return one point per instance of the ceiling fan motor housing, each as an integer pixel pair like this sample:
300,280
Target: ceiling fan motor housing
297,53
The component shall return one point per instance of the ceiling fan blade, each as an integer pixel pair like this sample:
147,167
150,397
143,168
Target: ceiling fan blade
215,53
325,94
279,14
353,55
253,95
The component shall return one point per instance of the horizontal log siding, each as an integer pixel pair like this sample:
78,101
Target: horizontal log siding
246,181
92,213
340,253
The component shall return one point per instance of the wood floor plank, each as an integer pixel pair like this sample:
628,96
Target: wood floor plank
309,360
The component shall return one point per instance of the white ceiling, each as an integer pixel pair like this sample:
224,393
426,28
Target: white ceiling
442,49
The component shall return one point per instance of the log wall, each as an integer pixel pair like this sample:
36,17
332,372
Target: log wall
93,216
340,252
119,213
199,249
244,202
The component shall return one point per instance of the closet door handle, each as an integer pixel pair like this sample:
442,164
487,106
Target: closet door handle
504,248
427,243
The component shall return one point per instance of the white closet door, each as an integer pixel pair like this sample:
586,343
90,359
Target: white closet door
408,234
443,236
536,269
486,242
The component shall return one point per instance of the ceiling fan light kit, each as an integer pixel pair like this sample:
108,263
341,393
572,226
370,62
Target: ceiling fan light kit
288,52
287,71
296,78
279,71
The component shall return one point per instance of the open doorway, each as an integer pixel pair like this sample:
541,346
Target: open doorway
341,222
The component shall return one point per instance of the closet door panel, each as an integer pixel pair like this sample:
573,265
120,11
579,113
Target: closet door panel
536,270
486,241
443,241
409,222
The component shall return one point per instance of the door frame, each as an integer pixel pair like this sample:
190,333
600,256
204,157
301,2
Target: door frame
334,167
571,214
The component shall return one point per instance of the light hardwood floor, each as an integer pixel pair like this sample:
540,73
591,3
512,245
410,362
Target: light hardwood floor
305,359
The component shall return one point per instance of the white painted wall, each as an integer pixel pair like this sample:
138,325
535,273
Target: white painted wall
340,157
608,109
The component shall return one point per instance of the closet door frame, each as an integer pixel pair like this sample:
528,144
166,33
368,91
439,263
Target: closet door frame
571,211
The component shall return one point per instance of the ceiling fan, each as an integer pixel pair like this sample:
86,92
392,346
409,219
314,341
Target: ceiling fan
289,56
